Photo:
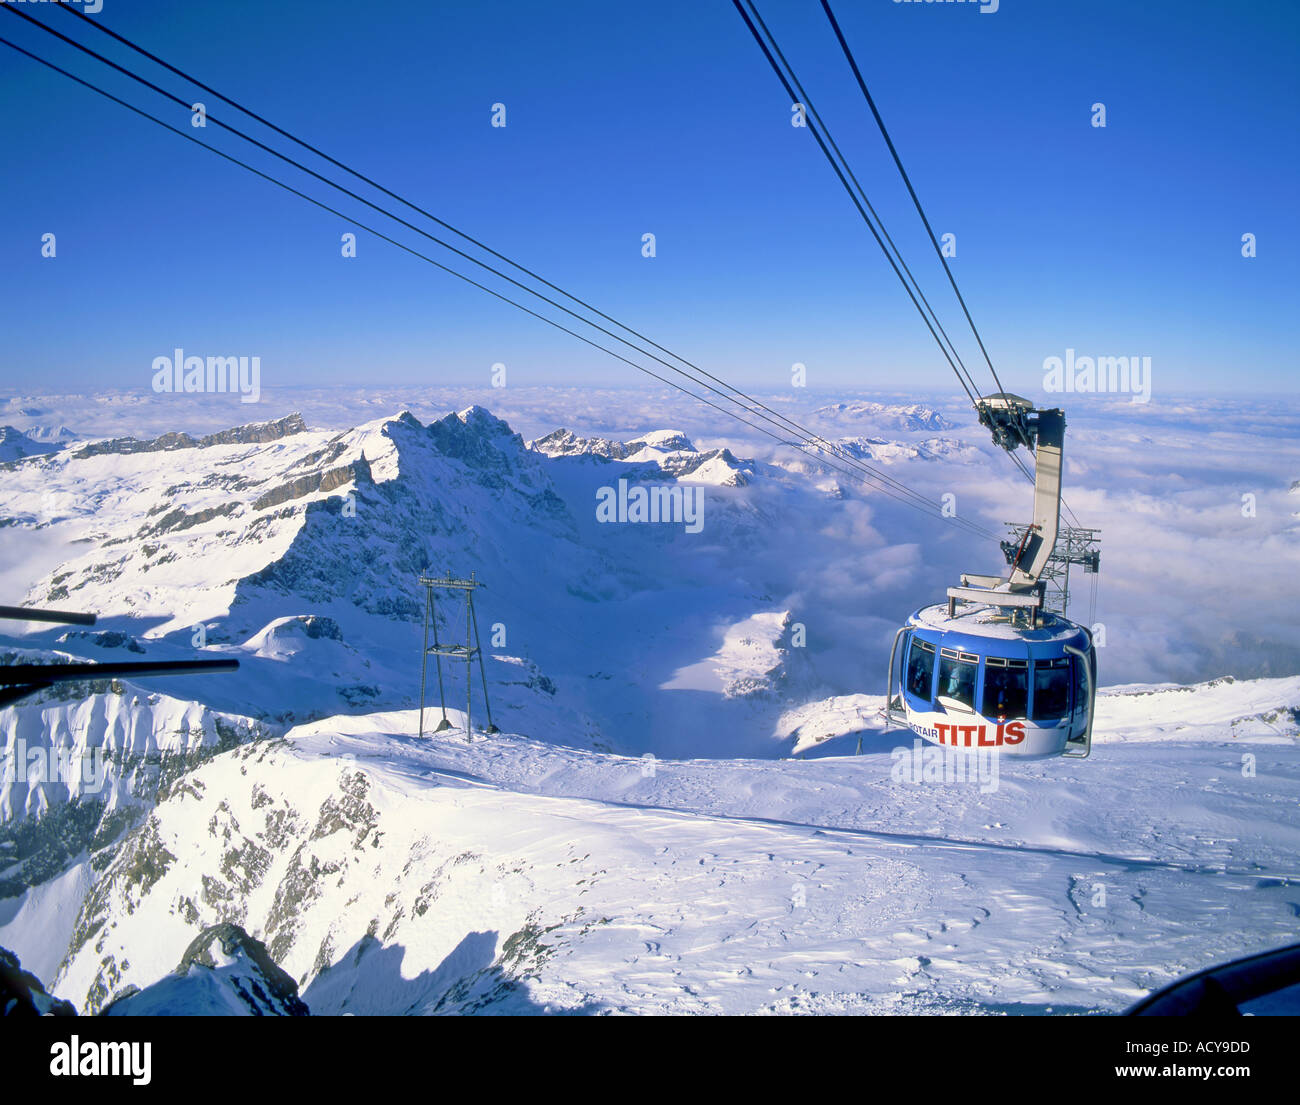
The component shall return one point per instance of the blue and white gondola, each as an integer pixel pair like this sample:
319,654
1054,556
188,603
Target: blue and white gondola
992,668
973,680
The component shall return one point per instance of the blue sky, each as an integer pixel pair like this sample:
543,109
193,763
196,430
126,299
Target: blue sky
628,118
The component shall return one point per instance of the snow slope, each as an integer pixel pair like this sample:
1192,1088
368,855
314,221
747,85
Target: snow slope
223,973
16,445
389,874
297,551
672,819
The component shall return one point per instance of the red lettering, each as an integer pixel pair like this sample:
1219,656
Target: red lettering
1015,732
990,743
967,731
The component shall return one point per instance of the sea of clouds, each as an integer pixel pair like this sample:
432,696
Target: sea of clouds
1197,500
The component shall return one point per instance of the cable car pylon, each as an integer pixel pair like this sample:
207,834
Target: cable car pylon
469,651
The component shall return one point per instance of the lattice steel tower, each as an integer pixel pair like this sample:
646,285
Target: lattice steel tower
468,652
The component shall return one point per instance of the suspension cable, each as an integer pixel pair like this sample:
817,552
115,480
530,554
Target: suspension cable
898,161
915,500
764,412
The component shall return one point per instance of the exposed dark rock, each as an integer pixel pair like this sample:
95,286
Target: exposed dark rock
22,995
313,482
108,638
318,627
255,433
224,971
176,520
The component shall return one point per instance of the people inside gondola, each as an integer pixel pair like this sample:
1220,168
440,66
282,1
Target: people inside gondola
1004,692
920,670
960,684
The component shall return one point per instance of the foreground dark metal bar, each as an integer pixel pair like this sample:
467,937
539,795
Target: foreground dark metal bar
61,673
62,617
17,681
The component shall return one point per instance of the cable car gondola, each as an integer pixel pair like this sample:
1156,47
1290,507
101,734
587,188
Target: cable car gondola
991,668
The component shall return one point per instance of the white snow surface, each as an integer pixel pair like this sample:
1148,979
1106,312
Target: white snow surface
673,818
507,874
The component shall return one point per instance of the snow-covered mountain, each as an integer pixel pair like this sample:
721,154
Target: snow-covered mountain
223,973
882,449
673,817
81,765
16,445
299,552
663,454
184,530
389,874
22,994
883,416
